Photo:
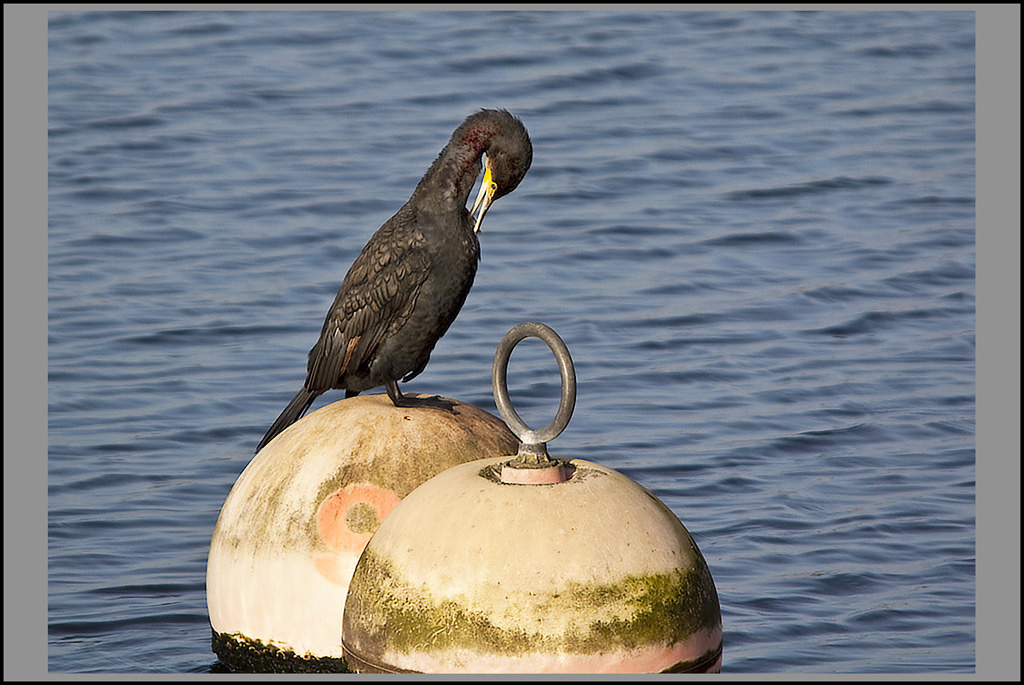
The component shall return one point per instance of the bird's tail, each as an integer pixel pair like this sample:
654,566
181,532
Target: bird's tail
296,408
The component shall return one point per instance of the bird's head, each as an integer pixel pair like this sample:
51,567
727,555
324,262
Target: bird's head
507,157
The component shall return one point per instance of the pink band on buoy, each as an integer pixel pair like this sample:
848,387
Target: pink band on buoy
542,476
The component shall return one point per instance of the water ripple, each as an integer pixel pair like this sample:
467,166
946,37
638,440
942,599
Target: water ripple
754,230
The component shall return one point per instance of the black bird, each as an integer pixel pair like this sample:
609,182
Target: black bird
409,282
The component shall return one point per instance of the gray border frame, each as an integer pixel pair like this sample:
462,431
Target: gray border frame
997,331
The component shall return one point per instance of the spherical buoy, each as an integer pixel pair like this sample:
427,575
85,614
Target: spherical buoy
298,517
532,565
470,574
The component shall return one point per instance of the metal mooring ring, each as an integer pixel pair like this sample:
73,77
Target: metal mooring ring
499,382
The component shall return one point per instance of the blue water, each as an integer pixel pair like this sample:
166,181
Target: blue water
755,231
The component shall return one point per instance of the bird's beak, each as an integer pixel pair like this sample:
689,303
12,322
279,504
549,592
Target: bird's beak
483,200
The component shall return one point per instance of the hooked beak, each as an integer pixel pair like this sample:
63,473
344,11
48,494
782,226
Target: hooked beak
483,200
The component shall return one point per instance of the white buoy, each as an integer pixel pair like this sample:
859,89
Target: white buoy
470,574
298,517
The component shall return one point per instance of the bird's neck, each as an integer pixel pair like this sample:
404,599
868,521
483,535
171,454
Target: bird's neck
451,177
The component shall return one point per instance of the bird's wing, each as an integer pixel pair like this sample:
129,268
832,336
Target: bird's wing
376,297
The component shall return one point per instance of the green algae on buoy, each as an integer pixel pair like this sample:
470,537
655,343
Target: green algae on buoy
591,575
529,564
296,520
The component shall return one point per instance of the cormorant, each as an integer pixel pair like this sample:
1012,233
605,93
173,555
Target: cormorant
409,282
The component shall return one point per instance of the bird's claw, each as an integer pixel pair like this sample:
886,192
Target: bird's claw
432,401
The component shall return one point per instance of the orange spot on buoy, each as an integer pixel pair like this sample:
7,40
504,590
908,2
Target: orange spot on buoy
348,518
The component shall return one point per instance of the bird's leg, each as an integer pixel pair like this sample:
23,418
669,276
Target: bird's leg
401,400
397,398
